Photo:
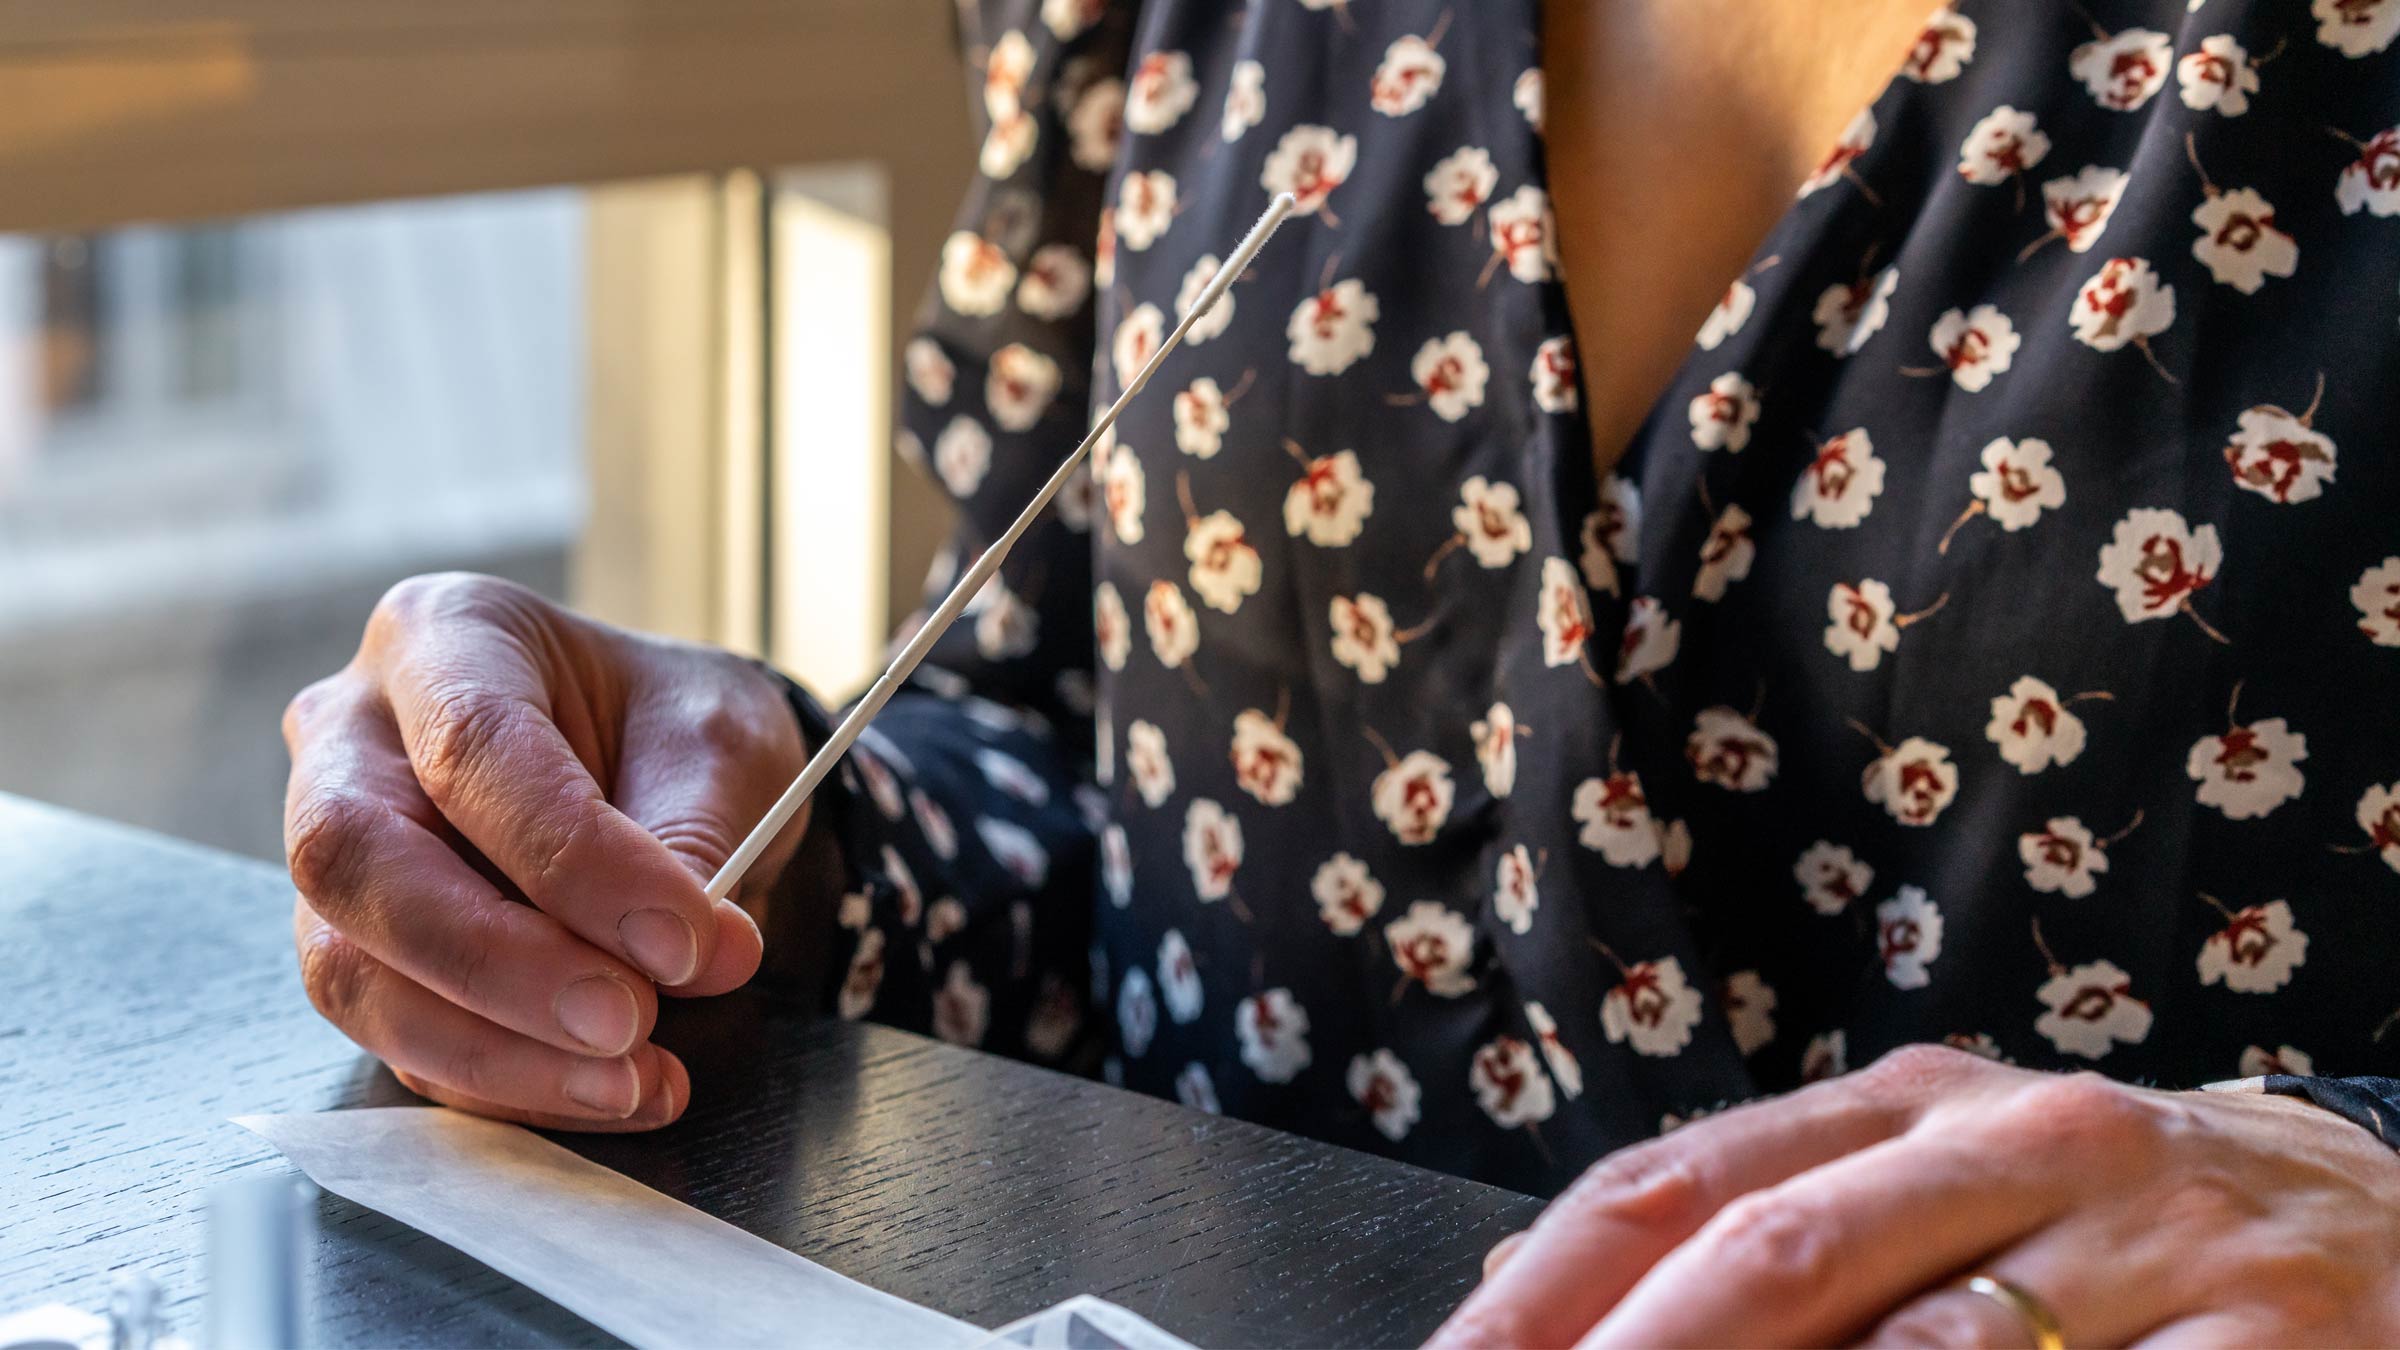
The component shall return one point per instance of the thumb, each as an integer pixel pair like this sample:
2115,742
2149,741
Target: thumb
700,765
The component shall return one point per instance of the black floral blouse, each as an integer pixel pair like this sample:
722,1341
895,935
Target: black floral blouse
1992,637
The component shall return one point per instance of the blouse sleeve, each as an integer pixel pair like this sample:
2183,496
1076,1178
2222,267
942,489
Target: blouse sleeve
2373,1104
964,821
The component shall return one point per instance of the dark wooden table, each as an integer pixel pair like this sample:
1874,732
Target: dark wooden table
149,992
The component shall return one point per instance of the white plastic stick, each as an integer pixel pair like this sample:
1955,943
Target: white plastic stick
946,613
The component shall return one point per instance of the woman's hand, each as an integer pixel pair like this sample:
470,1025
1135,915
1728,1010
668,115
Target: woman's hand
1853,1209
485,748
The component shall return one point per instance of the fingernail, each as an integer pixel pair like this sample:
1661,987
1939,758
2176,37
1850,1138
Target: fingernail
599,1011
661,943
610,1087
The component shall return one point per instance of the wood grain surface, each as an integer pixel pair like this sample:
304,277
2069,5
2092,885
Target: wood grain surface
150,994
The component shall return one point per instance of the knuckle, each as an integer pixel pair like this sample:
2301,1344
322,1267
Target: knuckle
324,834
1656,1183
466,733
309,707
1911,1071
1770,1242
334,972
1965,1321
1491,1321
419,600
2069,1110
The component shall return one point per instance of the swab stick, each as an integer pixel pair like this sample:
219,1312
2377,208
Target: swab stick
946,613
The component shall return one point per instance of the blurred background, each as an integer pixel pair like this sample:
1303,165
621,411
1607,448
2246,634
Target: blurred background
301,297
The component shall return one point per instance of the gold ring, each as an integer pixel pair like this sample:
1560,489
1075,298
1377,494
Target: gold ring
2039,1321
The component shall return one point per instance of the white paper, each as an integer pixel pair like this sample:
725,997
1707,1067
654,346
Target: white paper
1084,1323
646,1268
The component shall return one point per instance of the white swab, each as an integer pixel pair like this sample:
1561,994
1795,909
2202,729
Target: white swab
822,762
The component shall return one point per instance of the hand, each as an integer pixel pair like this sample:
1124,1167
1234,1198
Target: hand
1852,1209
484,748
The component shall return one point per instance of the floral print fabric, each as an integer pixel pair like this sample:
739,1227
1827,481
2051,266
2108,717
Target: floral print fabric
1990,637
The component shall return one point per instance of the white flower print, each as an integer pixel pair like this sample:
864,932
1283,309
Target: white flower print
1174,629
1827,1055
1112,631
1728,750
1005,626
1565,614
1147,760
2031,725
1554,1051
962,1008
1330,503
1273,1029
1975,345
1015,849
1019,386
2123,70
1460,185
1847,315
1124,491
1137,1012
2156,561
1384,1086
976,276
1310,162
961,456
2377,596
1530,99
1412,796
1555,375
1650,642
1116,865
1516,890
1212,848
1856,139
1908,934
2062,858
1179,978
1007,146
1725,556
1840,485
1495,736
1509,1084
2239,242
1070,19
1096,125
1488,518
1195,1089
2015,485
1861,627
1451,373
865,977
1347,894
1731,312
1653,1007
2123,303
2218,76
1005,71
1831,877
2257,1060
1524,235
2280,457
2379,816
1433,946
1138,337
1410,75
1721,417
2372,182
1750,1009
1334,329
1612,533
2356,27
1943,49
1161,92
856,910
2256,951
1225,569
1613,816
2249,770
1362,636
2091,1009
1977,1044
1266,762
1057,281
2002,146
931,376
2078,206
1214,323
1145,208
1245,101
882,788
934,823
1914,782
1674,847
